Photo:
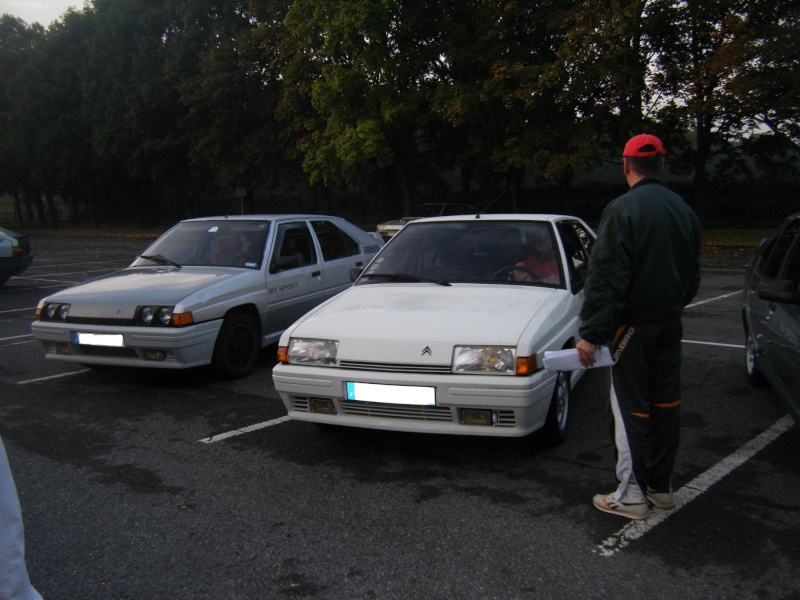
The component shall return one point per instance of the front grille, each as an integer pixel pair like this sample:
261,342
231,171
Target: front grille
395,367
397,411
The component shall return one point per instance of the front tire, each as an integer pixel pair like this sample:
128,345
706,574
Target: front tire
555,426
237,346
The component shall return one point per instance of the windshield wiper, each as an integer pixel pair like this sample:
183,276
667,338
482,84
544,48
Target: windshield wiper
158,259
402,277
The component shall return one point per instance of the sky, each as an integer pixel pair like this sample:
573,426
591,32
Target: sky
43,11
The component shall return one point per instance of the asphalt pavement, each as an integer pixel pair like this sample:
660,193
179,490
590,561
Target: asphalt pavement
158,484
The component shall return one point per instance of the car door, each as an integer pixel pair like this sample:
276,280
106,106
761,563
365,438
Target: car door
781,327
577,243
340,253
295,282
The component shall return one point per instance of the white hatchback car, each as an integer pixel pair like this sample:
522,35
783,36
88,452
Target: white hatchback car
445,331
212,290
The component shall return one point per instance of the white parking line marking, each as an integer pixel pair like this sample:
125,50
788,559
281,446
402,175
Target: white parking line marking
48,378
15,337
713,344
695,488
713,299
243,430
32,310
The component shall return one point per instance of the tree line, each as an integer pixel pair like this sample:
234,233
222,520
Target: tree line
153,110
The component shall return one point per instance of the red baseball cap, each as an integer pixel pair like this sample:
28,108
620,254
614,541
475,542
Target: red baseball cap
643,145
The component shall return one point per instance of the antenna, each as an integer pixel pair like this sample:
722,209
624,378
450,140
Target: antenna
488,206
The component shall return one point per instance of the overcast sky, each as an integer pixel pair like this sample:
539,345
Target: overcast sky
43,11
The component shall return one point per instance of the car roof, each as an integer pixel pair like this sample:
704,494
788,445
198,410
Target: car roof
263,217
551,218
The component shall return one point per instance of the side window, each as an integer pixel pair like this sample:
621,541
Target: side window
577,247
334,242
779,249
792,268
294,247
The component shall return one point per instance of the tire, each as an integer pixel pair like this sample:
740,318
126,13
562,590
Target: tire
237,347
555,426
754,376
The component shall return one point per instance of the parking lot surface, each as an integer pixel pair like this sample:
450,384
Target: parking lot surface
174,484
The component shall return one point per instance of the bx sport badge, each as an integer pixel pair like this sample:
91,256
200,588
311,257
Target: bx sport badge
426,350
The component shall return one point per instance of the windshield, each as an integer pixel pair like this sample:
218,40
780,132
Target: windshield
508,252
226,242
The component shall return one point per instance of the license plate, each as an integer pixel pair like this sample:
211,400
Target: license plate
98,339
391,394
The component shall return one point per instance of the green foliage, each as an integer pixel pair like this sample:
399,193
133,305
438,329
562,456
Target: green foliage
156,109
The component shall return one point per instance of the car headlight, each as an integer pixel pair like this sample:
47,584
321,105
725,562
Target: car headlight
484,359
311,352
52,311
162,316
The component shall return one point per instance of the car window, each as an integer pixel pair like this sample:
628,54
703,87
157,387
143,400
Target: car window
294,247
334,242
498,252
780,247
577,247
791,270
227,242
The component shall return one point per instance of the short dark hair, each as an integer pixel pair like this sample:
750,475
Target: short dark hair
645,165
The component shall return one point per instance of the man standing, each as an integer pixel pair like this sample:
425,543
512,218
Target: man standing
643,270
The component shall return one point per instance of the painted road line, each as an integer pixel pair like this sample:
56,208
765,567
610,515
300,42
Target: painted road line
694,489
31,310
243,430
16,337
48,378
738,346
739,293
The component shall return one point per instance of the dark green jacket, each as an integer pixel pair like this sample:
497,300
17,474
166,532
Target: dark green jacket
645,264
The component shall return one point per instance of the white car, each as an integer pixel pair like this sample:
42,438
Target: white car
445,331
212,290
15,254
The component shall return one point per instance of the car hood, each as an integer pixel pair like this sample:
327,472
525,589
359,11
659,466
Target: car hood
397,322
118,294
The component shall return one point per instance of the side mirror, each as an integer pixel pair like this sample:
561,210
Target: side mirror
784,291
355,273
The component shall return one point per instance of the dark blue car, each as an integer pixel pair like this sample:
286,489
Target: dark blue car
771,314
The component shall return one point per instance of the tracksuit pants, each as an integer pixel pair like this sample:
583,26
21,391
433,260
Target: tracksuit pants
645,401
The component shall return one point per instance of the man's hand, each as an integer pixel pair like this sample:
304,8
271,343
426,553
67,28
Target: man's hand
585,353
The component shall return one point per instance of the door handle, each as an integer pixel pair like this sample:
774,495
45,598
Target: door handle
316,273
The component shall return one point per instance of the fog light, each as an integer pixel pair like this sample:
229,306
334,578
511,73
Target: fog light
63,349
154,355
471,416
321,405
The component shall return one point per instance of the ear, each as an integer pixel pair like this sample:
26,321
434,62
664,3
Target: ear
626,168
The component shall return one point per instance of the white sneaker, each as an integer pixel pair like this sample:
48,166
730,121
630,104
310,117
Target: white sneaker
622,507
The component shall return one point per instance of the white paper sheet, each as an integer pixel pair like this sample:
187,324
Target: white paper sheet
567,360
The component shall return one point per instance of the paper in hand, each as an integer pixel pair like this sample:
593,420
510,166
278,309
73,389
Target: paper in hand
567,360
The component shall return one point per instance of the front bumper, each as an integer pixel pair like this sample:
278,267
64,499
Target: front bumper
518,405
14,266
154,347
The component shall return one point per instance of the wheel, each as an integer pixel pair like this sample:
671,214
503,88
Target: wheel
237,346
754,376
512,268
555,426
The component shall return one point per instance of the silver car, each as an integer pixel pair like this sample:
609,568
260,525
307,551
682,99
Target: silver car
771,314
15,254
209,291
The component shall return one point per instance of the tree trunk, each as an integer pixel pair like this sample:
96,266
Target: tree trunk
51,206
